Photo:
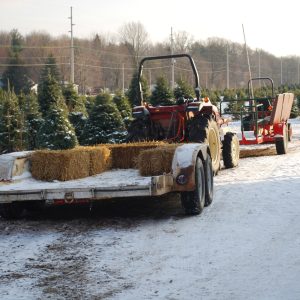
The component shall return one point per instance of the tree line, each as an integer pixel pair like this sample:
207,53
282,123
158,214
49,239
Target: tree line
56,116
108,61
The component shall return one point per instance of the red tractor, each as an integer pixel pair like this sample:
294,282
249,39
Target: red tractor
188,120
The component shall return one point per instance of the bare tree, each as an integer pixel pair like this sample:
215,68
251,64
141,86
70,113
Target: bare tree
182,41
135,37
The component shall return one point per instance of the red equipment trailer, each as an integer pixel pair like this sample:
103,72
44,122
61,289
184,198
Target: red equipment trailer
265,120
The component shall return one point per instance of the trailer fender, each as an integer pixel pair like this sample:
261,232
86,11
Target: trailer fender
183,165
14,165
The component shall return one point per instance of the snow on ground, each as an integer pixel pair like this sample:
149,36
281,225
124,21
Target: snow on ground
244,246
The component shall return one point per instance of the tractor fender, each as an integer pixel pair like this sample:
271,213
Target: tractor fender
184,162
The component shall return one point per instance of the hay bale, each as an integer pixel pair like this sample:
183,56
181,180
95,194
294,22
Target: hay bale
124,156
100,159
153,162
255,152
60,165
70,164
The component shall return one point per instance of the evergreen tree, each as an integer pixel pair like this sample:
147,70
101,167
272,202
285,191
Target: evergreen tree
33,119
295,109
50,94
184,90
123,106
15,76
133,91
77,110
72,99
11,123
89,103
162,94
57,132
50,67
105,124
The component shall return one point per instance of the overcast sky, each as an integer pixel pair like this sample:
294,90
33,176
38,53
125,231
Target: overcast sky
270,25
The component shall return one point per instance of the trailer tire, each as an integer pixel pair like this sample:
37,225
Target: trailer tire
204,130
231,150
282,143
193,202
290,132
12,210
209,181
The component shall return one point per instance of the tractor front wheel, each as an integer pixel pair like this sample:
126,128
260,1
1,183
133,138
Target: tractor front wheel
204,130
231,150
193,202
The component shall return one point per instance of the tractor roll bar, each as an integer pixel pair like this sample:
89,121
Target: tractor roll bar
261,78
197,86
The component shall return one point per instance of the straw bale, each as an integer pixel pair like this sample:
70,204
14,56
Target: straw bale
60,165
257,152
70,164
124,156
100,159
153,162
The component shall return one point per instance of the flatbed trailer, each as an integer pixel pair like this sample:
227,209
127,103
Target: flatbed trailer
191,176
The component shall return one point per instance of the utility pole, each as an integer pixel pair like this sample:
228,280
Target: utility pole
123,79
281,70
259,66
173,61
227,67
150,79
249,67
298,70
72,49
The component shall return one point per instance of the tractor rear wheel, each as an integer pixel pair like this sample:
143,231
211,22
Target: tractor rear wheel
204,130
231,150
282,143
193,202
139,130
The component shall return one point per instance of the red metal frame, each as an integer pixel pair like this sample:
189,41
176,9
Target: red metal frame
265,132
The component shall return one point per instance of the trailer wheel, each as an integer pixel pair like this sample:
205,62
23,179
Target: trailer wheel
139,130
282,143
231,150
12,210
209,181
204,130
193,202
290,132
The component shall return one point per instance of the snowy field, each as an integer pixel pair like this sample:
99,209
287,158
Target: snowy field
246,245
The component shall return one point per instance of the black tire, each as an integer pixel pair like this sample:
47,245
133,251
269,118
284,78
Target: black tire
139,130
209,181
282,143
290,132
203,130
193,202
231,150
11,210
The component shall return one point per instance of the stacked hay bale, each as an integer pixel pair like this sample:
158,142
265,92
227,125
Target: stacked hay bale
153,162
125,156
151,158
70,164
